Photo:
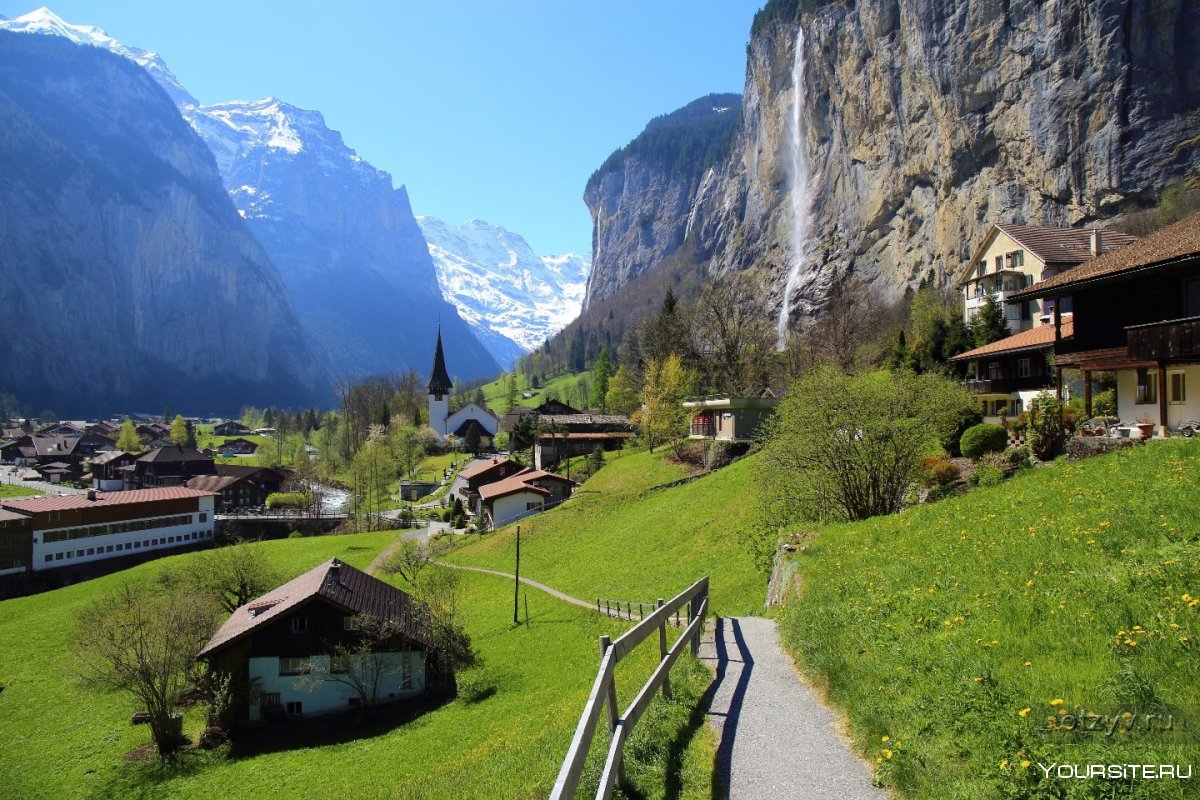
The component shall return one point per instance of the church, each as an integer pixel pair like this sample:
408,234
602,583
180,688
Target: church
461,422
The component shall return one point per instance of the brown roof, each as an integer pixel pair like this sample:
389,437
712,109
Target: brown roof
1052,246
585,419
1177,242
72,501
508,486
539,474
110,455
52,445
344,586
480,467
597,436
174,452
212,483
1037,338
9,516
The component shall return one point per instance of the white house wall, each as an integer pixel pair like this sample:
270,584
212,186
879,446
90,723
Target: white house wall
513,507
199,528
1177,413
317,693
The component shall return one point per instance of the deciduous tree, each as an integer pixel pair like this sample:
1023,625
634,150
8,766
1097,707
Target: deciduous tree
128,440
178,431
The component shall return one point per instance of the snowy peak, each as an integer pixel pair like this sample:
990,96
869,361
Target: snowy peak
46,22
501,286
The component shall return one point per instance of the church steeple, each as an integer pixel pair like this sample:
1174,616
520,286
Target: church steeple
439,380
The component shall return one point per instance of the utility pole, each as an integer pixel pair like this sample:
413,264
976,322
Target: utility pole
517,580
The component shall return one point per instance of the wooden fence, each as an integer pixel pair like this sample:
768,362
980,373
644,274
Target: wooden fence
604,689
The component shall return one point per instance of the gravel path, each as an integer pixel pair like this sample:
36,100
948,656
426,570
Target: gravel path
777,739
552,592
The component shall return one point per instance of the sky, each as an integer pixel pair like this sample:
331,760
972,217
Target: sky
484,110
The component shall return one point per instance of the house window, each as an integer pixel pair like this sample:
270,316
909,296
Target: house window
999,263
1147,387
350,623
339,664
405,671
1178,387
290,665
49,557
1024,367
299,624
204,517
295,707
532,506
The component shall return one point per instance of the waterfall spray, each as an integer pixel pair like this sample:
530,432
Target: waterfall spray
799,195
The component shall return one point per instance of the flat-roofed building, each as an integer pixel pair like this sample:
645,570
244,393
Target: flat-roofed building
82,529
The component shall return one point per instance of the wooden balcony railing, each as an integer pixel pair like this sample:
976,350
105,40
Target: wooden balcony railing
1166,341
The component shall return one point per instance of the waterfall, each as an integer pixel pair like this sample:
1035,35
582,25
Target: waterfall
799,195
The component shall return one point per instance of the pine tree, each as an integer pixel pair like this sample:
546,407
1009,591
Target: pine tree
602,371
989,324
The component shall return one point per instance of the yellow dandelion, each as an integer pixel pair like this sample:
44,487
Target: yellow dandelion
887,753
1058,701
885,738
1025,765
1024,712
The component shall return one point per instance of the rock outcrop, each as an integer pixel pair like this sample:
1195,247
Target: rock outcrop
129,279
924,121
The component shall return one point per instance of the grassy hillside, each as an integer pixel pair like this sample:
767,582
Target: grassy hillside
11,490
64,740
615,539
951,633
567,388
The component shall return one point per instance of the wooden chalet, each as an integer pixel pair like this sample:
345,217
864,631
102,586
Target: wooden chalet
230,428
1010,372
481,473
274,641
172,465
1136,311
239,487
527,492
570,435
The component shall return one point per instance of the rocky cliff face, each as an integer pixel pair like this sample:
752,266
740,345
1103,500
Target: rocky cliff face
350,251
642,197
129,278
924,121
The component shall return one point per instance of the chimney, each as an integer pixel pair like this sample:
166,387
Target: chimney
1096,242
91,495
335,571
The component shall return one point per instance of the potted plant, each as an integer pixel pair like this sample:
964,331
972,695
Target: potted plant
1145,426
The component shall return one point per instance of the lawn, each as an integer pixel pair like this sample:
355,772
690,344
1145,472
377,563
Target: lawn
565,387
11,490
63,740
951,635
617,539
205,438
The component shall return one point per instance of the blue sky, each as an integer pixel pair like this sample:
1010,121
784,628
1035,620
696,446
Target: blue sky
493,110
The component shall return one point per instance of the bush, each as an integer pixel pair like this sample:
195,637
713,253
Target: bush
968,417
1019,457
939,471
719,454
1104,404
990,471
296,500
983,438
1045,426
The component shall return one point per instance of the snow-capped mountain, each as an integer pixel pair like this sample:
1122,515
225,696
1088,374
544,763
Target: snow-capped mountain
45,21
357,269
501,287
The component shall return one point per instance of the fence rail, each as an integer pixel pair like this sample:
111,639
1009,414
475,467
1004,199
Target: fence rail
604,689
634,610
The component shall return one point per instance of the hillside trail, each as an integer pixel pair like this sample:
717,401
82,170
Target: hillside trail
777,739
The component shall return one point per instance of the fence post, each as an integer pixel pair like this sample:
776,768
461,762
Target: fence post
662,651
614,714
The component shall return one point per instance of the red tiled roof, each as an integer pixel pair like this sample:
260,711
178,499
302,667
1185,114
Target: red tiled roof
1033,339
72,501
346,587
480,467
1173,243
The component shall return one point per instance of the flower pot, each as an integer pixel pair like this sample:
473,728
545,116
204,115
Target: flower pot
1146,429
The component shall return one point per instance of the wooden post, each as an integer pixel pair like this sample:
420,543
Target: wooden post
517,579
526,608
662,651
611,693
1087,393
1162,400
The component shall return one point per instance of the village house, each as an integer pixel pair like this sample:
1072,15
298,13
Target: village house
278,641
16,543
230,428
237,447
569,435
481,473
728,418
108,470
547,407
1136,312
528,492
1013,257
75,532
172,465
1010,372
239,487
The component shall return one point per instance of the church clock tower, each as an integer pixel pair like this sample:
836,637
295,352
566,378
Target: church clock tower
439,388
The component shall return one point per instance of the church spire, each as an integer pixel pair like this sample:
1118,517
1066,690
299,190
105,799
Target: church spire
439,379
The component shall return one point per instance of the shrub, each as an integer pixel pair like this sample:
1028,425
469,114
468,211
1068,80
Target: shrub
719,454
939,471
1045,426
967,417
1104,404
1018,457
296,500
983,438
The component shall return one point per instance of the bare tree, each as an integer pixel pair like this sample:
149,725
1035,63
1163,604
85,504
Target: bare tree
143,640
854,318
410,559
734,340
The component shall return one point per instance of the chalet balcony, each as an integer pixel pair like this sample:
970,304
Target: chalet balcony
1007,385
1170,340
703,430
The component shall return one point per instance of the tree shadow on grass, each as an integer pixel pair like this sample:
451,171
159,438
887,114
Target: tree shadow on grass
330,729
